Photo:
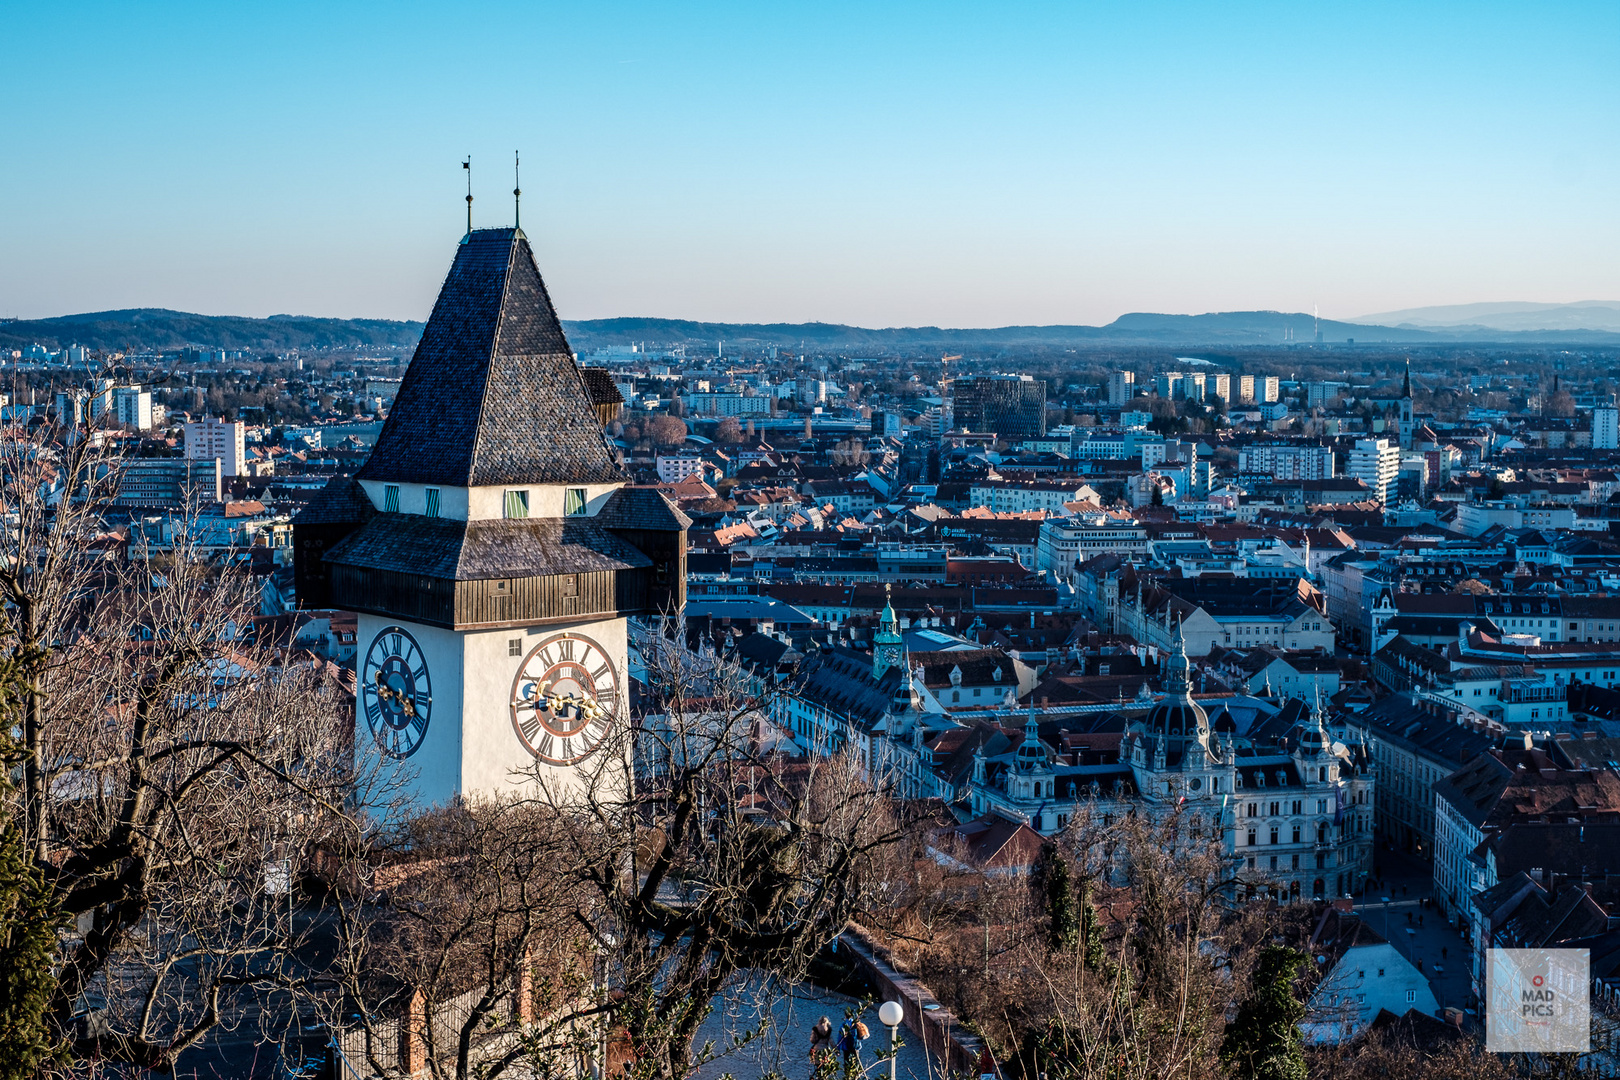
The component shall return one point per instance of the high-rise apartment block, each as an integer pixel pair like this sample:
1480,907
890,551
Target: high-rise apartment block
1012,406
1259,389
1287,462
132,407
1606,429
211,438
1121,387
1375,462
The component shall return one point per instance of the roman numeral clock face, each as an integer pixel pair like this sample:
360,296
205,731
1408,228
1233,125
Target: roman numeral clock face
564,699
395,692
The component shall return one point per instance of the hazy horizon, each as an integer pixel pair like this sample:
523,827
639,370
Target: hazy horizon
1361,319
918,165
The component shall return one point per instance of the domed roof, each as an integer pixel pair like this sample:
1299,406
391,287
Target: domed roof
1177,714
1313,736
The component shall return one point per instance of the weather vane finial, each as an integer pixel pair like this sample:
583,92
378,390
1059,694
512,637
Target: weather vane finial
517,192
467,164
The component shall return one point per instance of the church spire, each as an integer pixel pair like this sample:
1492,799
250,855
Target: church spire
1176,680
888,647
1030,754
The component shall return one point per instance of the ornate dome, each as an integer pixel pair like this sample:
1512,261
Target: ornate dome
1177,714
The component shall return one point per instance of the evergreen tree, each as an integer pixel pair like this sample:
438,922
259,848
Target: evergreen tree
28,922
1063,926
1153,941
1091,931
1264,1042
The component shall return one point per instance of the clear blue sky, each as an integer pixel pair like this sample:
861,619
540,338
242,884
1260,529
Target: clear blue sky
873,163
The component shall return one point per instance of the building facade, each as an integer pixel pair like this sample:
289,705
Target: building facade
1012,406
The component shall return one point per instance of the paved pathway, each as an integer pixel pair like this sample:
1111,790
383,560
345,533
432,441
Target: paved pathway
785,1048
1405,882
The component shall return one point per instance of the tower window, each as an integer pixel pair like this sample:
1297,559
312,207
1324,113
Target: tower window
432,502
574,502
517,504
514,646
391,498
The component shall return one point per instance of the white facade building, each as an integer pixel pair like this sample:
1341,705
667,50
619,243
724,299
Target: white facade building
673,468
132,407
1287,462
1375,462
222,439
1606,429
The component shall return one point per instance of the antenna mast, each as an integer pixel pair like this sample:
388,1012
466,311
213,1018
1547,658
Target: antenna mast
517,192
467,164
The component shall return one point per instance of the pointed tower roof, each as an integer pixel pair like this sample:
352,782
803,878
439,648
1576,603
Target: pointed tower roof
888,622
493,396
1177,714
1313,734
1406,387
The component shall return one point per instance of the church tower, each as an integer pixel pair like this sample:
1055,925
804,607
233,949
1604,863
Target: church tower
490,546
1407,426
888,647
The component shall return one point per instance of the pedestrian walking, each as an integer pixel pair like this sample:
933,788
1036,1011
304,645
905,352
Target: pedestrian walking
849,1043
821,1037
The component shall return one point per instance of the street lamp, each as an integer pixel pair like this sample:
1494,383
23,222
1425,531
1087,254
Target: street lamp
889,1015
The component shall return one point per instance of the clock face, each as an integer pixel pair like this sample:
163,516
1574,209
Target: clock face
395,692
565,698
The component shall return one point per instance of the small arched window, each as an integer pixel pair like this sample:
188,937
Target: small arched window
956,695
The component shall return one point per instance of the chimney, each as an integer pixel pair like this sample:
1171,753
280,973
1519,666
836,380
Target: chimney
412,1036
1529,741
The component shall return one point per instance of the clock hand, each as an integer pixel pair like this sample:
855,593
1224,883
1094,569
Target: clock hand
407,705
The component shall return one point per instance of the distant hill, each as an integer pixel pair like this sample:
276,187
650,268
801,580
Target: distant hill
1137,328
1247,327
157,328
1516,316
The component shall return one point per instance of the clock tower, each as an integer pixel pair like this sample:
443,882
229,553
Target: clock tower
490,546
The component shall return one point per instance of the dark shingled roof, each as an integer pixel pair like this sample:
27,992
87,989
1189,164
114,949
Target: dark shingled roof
493,395
641,508
341,502
484,550
599,384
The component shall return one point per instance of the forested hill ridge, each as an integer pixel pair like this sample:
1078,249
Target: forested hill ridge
158,328
1136,328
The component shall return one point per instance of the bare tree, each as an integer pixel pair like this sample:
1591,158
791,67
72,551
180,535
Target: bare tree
716,850
666,431
456,931
1142,992
606,912
175,769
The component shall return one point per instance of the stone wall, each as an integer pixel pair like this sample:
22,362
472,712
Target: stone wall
942,1035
